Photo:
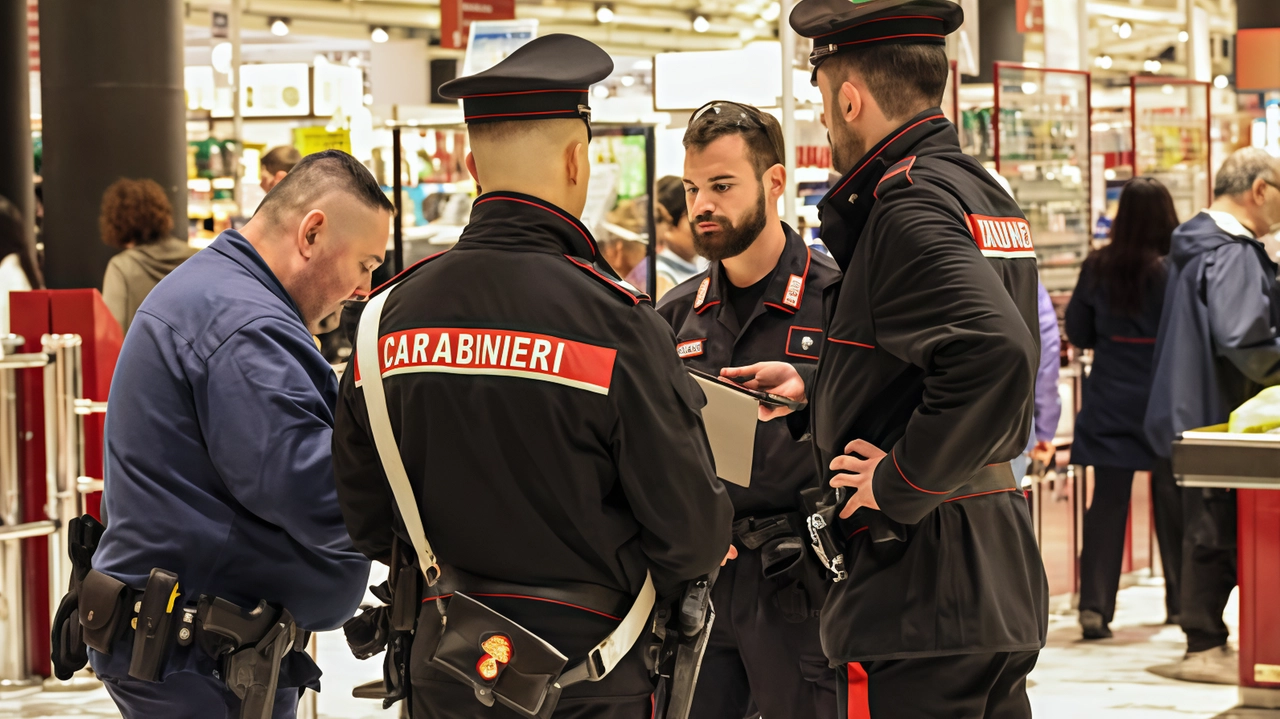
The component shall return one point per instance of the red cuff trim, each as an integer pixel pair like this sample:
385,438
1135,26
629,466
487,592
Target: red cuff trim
904,476
851,342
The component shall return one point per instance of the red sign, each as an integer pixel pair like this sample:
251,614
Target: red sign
1030,15
456,17
33,34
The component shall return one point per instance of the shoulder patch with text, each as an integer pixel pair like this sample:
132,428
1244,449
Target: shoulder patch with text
1004,237
691,348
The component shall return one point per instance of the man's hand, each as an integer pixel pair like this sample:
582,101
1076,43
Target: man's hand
733,554
859,474
1043,452
778,378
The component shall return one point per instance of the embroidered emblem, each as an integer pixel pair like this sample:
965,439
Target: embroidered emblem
497,653
806,343
1003,237
794,285
692,348
702,292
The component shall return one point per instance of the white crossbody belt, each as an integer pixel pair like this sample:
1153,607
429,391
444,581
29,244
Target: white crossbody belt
605,655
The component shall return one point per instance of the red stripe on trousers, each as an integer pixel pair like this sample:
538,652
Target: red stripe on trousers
859,706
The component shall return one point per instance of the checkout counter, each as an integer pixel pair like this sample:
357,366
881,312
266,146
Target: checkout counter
1250,464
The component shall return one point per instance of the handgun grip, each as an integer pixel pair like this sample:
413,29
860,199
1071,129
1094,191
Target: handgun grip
241,625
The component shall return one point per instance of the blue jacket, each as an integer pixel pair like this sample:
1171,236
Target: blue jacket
218,460
1109,429
1217,344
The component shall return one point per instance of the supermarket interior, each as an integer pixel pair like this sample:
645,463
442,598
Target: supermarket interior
213,101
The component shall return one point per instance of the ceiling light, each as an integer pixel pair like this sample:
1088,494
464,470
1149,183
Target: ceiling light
1115,29
600,92
1184,36
220,58
379,34
627,80
353,61
1109,174
771,12
280,27
1221,82
368,99
1125,31
1029,88
604,14
643,65
1167,89
1105,62
1151,65
746,34
701,24
320,60
760,24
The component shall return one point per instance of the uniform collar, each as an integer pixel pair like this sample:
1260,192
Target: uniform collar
232,244
786,289
515,219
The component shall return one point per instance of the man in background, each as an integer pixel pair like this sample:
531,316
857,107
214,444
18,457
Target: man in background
276,164
1217,347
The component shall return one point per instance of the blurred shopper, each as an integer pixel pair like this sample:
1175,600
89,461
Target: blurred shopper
677,258
1217,347
1115,311
137,218
923,393
218,466
759,299
18,270
276,164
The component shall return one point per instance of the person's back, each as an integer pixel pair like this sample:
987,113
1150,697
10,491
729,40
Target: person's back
132,274
549,433
1217,346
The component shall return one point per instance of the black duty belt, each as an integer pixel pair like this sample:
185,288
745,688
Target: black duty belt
755,532
991,479
590,597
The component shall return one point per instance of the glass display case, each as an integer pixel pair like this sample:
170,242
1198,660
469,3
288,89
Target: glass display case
1042,146
1170,129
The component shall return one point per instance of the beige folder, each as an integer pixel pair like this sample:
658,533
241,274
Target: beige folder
730,417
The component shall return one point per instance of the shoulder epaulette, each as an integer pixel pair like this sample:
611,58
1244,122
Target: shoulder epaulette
634,296
899,175
405,273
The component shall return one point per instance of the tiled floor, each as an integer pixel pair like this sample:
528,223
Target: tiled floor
1074,680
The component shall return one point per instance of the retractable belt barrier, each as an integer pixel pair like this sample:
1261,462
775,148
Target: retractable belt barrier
497,657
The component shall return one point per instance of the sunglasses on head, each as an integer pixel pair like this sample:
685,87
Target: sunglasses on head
741,115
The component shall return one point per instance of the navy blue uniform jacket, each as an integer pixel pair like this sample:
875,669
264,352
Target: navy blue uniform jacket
1109,429
218,463
1217,345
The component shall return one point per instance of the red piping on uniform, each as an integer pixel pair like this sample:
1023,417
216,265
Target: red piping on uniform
882,19
571,113
886,146
904,476
1134,340
585,236
709,304
522,92
534,599
856,532
404,272
594,271
850,342
899,171
781,307
890,37
979,494
859,706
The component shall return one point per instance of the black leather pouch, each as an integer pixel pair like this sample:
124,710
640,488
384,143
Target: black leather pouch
104,606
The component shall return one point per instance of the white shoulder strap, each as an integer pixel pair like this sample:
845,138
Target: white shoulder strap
605,655
375,400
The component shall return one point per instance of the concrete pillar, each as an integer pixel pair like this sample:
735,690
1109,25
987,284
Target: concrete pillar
112,94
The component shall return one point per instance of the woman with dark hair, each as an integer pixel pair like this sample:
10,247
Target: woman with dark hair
1115,311
18,269
137,218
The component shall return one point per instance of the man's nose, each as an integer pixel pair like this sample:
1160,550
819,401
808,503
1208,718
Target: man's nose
703,205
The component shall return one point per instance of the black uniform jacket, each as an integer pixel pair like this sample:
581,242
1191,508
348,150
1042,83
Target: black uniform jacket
550,431
931,354
786,325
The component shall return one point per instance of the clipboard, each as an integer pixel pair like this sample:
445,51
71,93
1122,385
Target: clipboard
730,417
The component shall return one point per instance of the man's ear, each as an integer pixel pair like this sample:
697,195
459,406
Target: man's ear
850,102
775,181
278,177
575,156
1258,193
308,229
471,167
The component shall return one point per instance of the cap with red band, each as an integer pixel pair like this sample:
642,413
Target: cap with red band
545,79
839,25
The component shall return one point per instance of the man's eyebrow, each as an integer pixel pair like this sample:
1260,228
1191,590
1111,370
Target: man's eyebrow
717,178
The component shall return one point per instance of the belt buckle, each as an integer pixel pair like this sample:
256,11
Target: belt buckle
834,562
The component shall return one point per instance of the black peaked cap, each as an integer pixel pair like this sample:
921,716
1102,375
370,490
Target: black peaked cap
837,25
545,79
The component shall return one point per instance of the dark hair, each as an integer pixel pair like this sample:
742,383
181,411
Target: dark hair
671,196
319,174
136,211
13,241
1242,168
1140,235
759,130
904,79
282,158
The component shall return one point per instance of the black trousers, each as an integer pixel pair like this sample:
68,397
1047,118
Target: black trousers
1208,564
1102,553
967,686
754,653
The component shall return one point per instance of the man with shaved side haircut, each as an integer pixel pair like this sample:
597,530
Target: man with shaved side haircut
218,469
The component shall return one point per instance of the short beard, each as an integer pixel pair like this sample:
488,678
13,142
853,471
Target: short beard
847,147
730,240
